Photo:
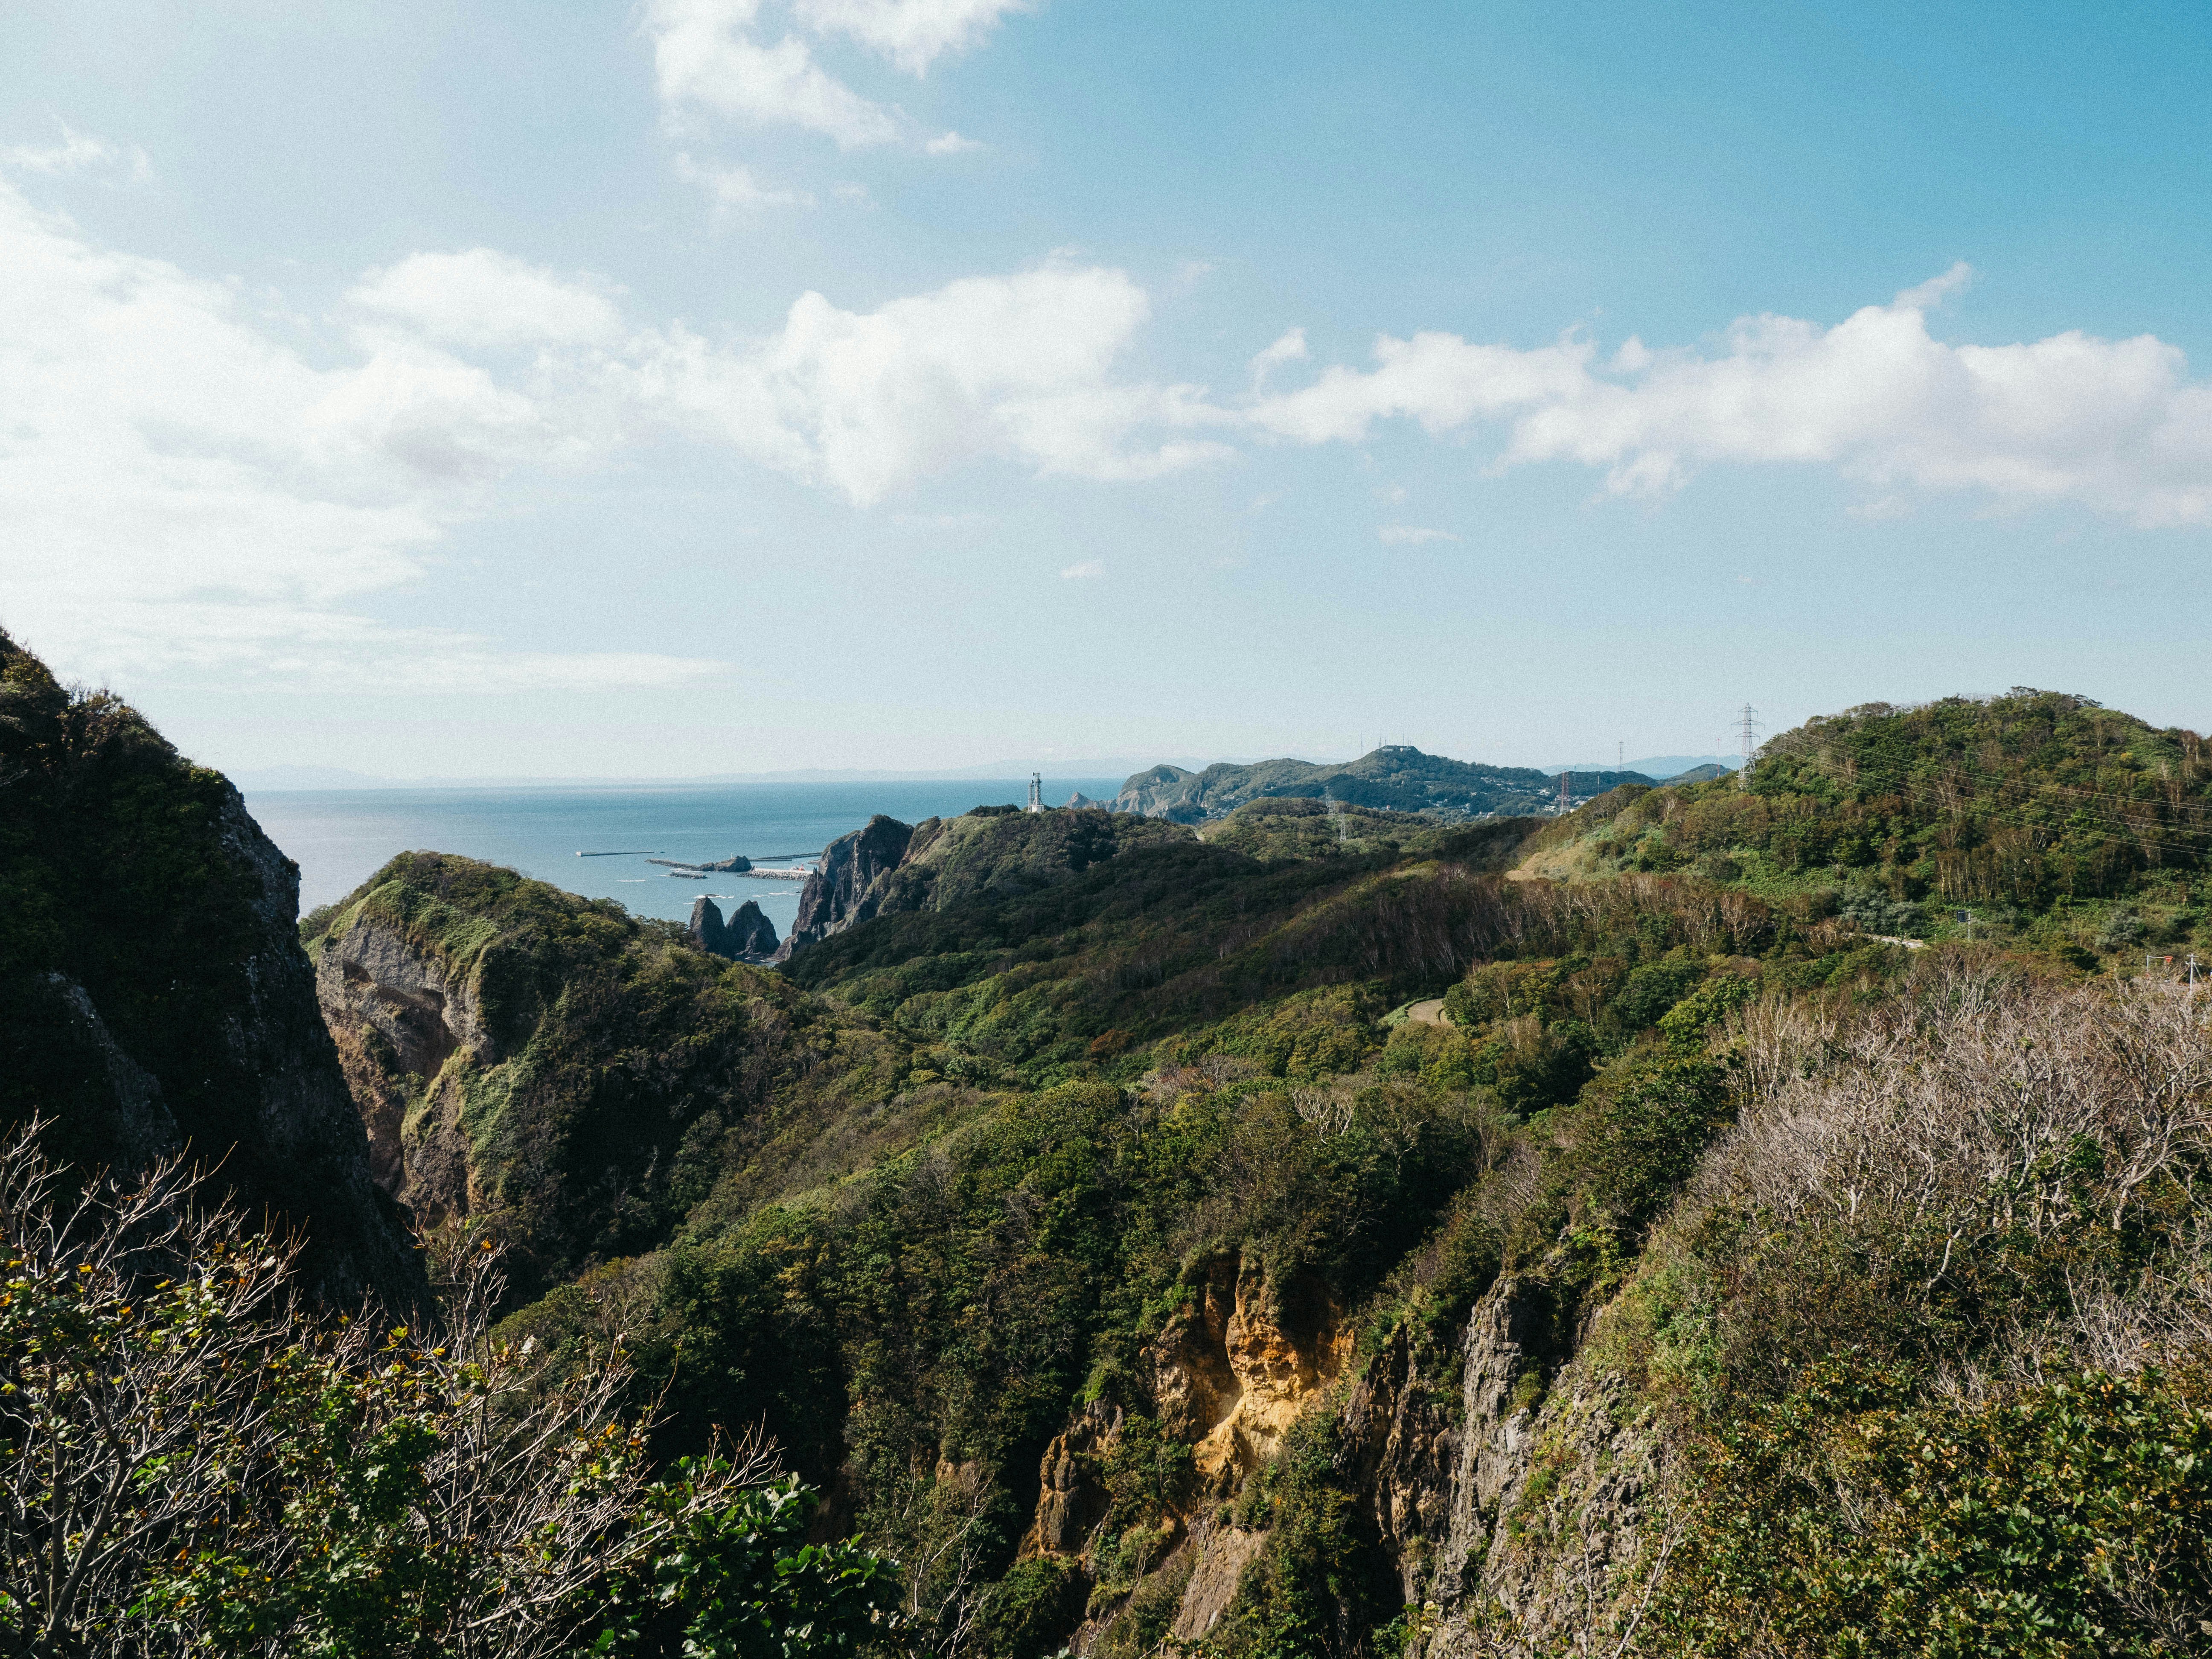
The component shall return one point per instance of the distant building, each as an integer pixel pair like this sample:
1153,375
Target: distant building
1037,794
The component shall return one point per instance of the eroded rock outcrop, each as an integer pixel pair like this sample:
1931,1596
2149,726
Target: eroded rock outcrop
1071,1497
1241,1363
841,889
748,936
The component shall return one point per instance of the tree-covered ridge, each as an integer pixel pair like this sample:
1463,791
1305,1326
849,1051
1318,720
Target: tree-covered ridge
1396,778
2071,826
999,854
1274,827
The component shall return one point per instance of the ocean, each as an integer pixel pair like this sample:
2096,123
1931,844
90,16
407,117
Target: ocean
340,838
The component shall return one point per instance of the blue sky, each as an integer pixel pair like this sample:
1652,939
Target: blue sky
713,386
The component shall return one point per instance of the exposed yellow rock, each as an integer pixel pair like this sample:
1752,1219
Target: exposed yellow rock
1230,1375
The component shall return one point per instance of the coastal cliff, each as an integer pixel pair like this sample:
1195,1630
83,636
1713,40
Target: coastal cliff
550,1067
158,999
842,889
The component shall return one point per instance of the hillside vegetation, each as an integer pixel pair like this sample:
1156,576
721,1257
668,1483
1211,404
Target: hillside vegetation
2066,826
1097,1229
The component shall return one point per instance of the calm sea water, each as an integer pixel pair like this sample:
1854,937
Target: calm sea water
339,837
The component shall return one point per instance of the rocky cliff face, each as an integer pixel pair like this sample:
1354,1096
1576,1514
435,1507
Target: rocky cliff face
399,1010
748,936
550,1067
841,889
158,999
1524,1508
1241,1365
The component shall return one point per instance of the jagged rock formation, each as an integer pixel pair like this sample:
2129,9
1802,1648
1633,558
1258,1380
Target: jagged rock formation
1236,1369
890,869
1395,778
841,892
157,998
1071,1500
748,936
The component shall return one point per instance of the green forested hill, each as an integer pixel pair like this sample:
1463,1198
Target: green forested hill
1396,778
2057,823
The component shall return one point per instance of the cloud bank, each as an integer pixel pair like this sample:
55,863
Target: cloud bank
715,59
2113,425
1018,367
181,488
184,485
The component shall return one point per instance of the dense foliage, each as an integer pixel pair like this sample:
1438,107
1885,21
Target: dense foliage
190,1464
2077,828
112,872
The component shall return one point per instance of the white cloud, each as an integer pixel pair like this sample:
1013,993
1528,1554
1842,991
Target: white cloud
1015,367
951,143
1290,348
733,188
178,487
912,34
1411,535
178,490
79,152
704,58
485,298
1084,572
2115,425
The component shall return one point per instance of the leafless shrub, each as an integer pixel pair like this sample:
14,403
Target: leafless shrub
82,1421
1170,1083
1327,1108
163,1401
944,1513
1978,1118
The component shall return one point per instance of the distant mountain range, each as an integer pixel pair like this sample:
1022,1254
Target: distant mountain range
272,779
